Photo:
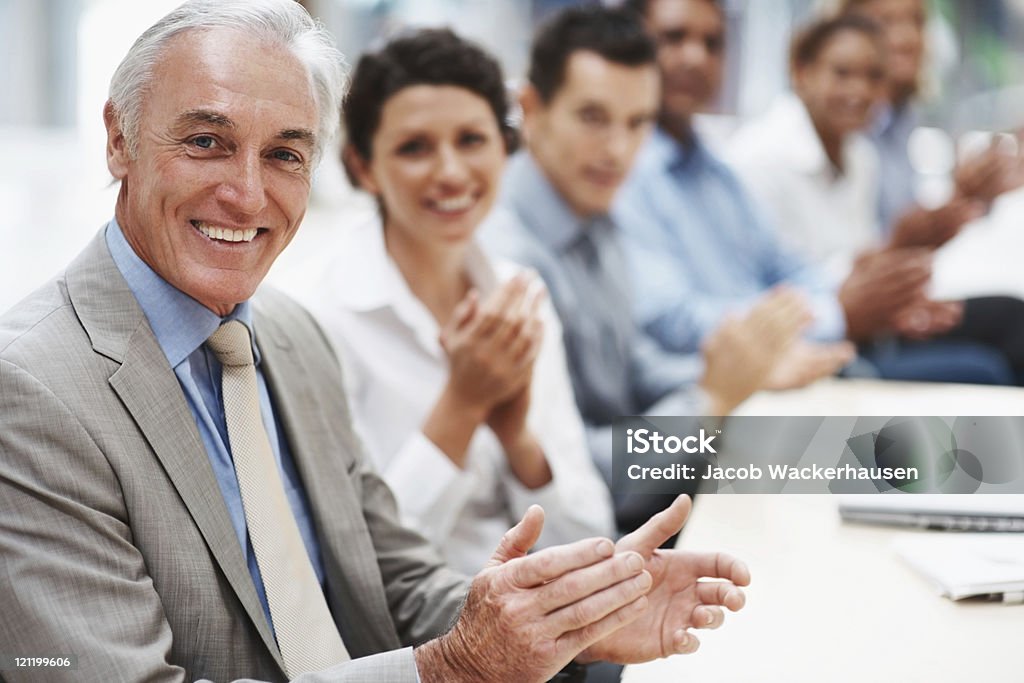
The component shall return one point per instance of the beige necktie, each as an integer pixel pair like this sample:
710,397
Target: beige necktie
306,634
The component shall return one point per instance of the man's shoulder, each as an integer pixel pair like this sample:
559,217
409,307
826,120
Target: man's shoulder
274,304
35,325
282,320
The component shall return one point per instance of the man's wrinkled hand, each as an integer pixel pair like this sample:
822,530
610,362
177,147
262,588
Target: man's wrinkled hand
527,616
678,599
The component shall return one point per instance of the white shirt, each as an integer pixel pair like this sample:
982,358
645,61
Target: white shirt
396,369
829,216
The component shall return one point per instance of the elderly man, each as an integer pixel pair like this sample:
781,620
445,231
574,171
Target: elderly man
181,494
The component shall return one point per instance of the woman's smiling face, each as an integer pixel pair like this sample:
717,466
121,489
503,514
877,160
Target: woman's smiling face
842,85
437,160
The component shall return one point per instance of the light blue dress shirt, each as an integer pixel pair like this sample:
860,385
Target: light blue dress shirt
698,248
616,368
182,325
891,134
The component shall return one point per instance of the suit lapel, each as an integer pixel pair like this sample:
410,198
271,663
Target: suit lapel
150,391
353,591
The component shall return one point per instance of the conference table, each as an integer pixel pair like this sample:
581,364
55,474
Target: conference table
830,601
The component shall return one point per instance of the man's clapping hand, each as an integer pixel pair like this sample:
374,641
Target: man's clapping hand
677,601
527,616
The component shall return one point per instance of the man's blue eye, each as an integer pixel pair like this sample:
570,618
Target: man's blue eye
284,155
203,141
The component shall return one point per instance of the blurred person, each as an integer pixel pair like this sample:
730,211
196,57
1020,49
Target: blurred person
183,496
455,366
591,100
979,178
808,162
698,247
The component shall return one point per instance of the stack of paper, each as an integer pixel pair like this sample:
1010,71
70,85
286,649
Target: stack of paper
968,565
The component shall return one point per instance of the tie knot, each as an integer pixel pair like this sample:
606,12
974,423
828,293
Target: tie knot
231,344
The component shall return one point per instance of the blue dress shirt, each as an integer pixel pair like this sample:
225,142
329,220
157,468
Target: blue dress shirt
616,369
698,248
891,134
182,325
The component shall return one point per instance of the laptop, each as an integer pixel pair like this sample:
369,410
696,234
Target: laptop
991,512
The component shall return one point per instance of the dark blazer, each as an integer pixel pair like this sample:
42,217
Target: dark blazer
115,542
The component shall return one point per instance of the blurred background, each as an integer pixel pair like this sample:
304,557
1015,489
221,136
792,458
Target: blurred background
56,58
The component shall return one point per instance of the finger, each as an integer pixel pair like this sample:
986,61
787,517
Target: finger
825,360
907,264
533,299
842,353
502,307
965,211
510,330
517,311
551,563
726,331
781,332
600,604
465,310
580,639
526,355
533,295
539,298
944,315
904,278
779,318
518,338
720,594
527,346
707,616
684,643
658,528
577,585
518,540
720,566
778,302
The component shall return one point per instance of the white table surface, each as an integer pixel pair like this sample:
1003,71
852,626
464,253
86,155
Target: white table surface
864,397
832,602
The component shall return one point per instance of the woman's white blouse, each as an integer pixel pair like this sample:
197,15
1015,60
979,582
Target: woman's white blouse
827,216
395,369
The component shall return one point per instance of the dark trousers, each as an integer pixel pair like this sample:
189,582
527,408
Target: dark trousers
987,347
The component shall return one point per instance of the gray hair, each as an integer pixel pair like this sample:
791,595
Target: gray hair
284,22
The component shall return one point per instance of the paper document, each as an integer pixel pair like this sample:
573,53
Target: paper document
967,565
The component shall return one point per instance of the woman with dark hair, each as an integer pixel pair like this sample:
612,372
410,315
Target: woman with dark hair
806,158
979,178
809,163
454,361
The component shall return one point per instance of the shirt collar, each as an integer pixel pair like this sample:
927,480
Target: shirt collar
798,140
795,142
544,212
364,277
666,153
180,323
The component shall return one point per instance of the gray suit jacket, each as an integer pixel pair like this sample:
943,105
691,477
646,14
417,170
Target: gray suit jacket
115,542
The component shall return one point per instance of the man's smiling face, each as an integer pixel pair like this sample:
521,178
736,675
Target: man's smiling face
221,175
